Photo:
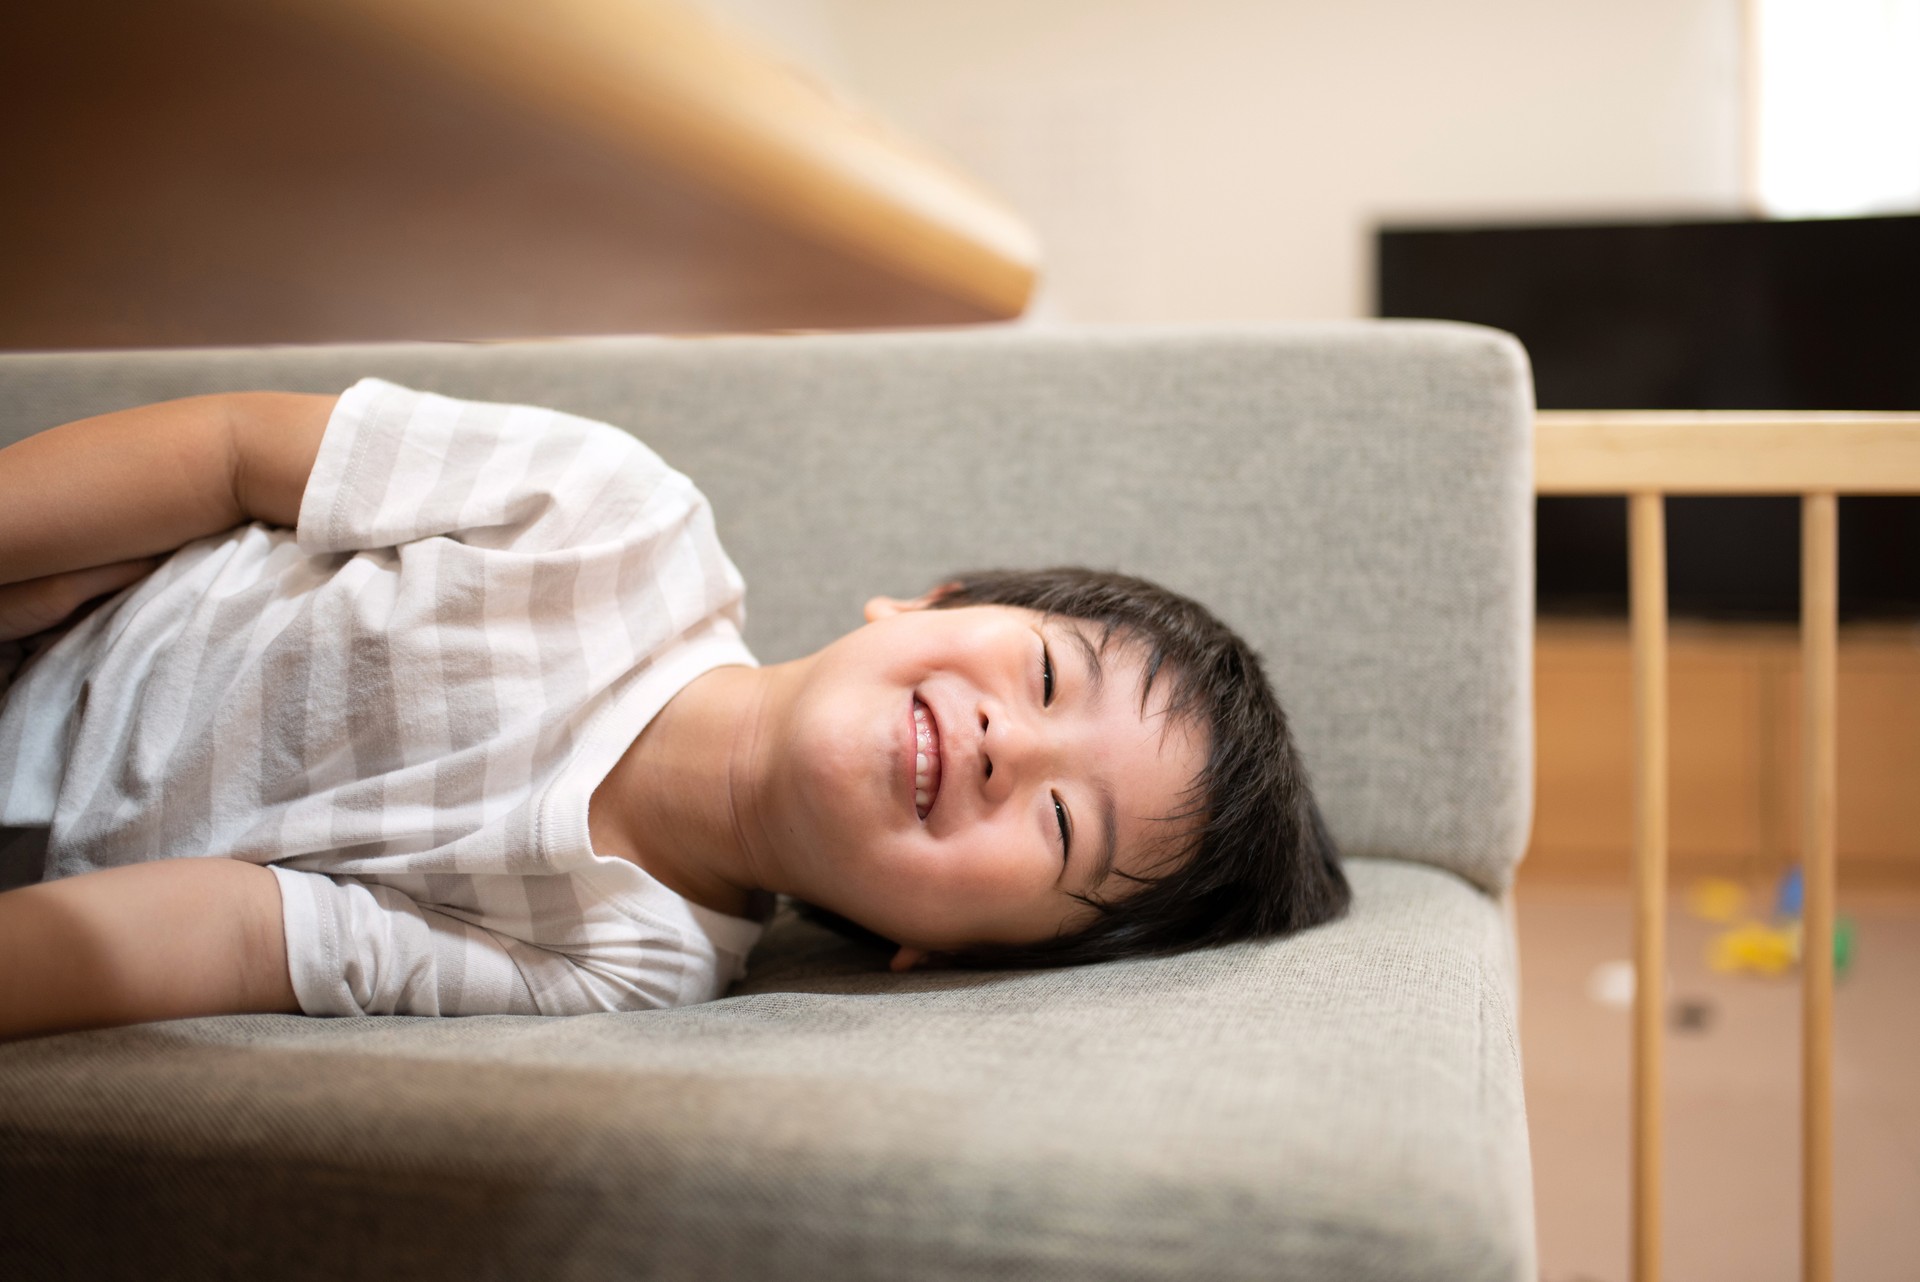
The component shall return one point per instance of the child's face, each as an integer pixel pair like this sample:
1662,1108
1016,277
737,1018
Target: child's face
1032,729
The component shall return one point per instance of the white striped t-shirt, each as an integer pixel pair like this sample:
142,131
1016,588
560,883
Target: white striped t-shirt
403,708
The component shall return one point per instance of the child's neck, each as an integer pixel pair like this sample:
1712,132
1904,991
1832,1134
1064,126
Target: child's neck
671,803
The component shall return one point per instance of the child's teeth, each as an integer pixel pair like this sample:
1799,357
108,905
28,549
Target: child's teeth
925,768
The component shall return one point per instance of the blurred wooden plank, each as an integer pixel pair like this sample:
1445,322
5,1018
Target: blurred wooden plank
1734,708
1583,741
210,172
1725,452
670,83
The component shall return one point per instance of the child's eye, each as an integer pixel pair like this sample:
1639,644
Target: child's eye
1060,817
1046,676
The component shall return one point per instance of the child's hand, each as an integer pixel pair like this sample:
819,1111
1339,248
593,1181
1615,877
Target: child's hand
39,604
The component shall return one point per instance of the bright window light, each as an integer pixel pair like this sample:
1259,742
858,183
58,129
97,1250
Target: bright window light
1839,107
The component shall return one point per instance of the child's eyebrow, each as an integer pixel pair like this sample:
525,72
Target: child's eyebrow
1090,653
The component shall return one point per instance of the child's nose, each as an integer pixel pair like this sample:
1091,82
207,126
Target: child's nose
985,756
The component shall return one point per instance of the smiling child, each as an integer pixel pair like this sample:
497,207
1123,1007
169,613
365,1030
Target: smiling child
405,704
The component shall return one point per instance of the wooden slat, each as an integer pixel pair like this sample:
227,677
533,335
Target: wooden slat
665,79
1725,452
1648,603
1819,597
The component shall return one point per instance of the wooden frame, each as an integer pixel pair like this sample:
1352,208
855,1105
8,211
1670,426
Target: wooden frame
1646,456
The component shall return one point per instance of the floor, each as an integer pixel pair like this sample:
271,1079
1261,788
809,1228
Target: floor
1732,1149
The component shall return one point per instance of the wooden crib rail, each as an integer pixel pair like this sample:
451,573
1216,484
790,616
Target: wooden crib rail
1647,455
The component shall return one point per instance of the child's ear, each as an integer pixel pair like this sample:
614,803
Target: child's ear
905,960
885,607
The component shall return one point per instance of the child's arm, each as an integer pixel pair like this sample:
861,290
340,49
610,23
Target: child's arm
165,940
139,483
39,604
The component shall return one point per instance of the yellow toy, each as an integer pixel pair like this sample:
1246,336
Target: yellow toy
1752,947
1773,950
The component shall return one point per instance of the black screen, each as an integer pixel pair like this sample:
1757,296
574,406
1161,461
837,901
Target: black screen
1752,314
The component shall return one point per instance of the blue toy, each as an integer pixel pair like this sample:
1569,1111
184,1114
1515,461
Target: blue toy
1791,894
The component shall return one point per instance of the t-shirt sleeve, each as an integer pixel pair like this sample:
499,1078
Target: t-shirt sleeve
396,466
360,948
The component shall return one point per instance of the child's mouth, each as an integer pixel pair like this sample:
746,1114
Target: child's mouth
926,759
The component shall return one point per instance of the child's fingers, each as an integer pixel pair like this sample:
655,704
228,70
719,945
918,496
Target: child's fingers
39,604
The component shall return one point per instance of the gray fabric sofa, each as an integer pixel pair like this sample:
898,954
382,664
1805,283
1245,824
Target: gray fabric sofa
1356,498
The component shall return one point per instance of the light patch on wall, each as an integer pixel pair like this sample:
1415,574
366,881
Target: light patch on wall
1839,107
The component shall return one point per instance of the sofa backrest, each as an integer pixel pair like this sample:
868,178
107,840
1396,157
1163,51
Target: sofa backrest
1355,498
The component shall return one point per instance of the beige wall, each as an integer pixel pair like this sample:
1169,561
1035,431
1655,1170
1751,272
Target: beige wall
1228,159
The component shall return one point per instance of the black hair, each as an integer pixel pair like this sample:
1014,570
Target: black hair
1263,863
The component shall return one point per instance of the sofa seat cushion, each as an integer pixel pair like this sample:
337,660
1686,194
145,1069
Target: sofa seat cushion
1343,1104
